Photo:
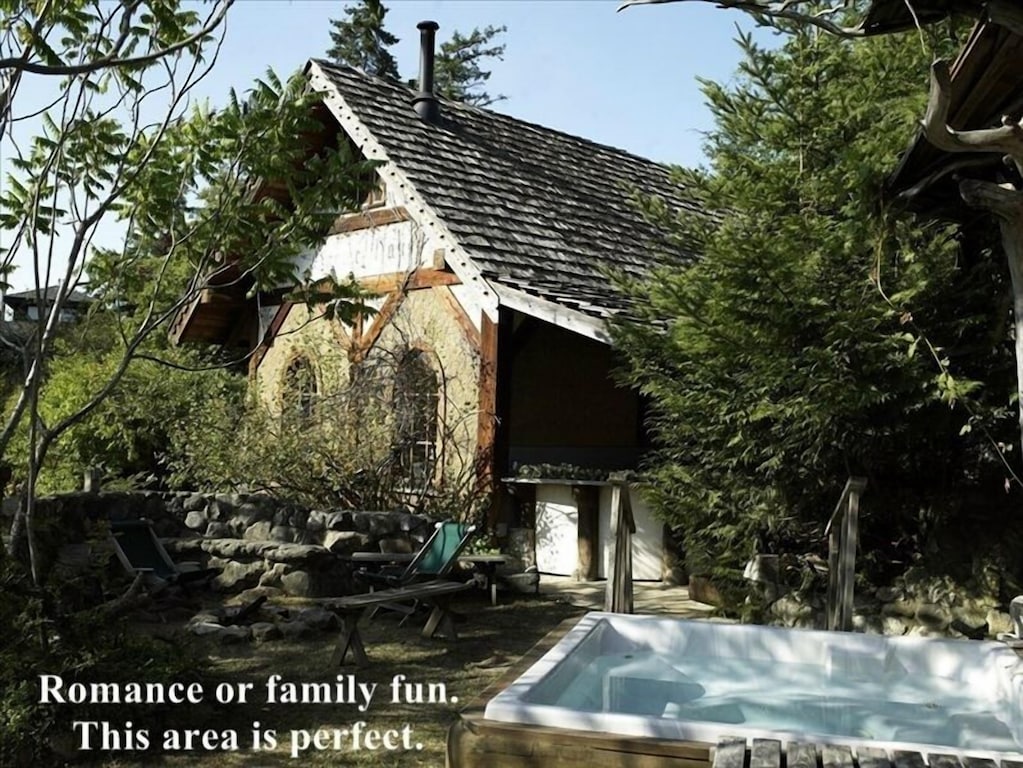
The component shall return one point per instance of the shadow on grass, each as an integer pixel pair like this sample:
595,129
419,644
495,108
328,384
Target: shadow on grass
490,639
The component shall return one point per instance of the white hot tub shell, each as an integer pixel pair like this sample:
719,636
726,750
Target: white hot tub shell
700,681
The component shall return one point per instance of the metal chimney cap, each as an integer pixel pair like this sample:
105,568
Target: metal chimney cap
428,25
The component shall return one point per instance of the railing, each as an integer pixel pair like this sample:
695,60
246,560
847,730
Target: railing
618,598
843,537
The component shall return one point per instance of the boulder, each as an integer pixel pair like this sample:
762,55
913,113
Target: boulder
297,584
272,577
195,502
376,524
396,545
250,514
226,635
295,630
196,520
933,616
258,531
262,631
998,622
894,626
285,533
236,576
318,618
346,542
316,522
218,530
339,521
248,595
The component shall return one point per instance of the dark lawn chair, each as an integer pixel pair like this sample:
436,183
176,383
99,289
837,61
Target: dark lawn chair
140,552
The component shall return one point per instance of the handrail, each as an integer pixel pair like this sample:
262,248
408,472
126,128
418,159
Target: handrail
843,536
857,484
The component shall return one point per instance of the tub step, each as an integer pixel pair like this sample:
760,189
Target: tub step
736,752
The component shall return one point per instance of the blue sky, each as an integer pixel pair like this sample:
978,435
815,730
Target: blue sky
625,79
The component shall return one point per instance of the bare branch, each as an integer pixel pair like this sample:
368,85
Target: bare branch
786,10
21,64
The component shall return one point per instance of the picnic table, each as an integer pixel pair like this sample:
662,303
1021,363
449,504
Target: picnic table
350,609
486,565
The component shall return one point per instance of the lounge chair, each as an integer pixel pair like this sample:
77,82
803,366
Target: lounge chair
434,560
140,552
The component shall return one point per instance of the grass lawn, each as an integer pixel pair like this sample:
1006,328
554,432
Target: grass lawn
490,639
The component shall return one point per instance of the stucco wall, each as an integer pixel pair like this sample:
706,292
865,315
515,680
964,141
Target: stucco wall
426,321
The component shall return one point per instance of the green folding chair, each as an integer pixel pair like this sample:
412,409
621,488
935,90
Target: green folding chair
434,560
140,552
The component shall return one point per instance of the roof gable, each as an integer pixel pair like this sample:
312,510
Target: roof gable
538,211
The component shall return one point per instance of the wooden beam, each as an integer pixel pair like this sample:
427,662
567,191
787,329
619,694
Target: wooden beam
380,320
276,323
469,329
587,500
418,279
486,426
374,217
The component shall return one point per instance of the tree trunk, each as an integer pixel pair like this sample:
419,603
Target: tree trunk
1012,242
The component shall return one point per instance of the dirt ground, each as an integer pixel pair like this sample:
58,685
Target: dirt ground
433,679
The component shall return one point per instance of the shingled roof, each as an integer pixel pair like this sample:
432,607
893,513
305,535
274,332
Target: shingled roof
537,210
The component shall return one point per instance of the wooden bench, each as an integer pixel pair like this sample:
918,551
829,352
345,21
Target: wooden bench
436,594
767,753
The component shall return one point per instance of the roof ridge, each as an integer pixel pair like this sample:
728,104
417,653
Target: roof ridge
492,113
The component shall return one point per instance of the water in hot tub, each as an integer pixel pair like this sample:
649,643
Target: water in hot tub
885,705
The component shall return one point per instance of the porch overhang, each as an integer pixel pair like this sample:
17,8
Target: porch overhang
986,84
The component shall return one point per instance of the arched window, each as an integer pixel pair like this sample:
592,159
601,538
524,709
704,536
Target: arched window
416,398
300,387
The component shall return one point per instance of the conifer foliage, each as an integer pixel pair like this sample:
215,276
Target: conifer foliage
818,336
360,40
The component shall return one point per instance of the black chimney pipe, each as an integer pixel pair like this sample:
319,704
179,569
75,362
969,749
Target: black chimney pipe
425,102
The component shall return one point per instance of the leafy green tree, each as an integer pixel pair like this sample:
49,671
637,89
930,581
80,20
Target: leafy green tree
815,336
120,145
360,40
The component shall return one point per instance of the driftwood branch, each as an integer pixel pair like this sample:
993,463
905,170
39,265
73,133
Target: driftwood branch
1006,139
786,10
947,169
1002,200
134,597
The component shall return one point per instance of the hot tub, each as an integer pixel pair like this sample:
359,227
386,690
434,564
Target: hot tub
664,678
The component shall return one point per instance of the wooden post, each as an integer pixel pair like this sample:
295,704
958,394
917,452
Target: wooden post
618,597
91,480
847,556
486,428
587,500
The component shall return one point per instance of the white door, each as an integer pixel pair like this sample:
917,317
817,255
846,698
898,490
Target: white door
557,524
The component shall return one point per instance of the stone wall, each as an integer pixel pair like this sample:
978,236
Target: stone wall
915,604
258,542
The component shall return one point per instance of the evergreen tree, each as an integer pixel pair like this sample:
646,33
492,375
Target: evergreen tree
360,40
816,337
458,73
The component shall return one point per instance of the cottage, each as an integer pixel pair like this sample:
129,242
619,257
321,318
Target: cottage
488,242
